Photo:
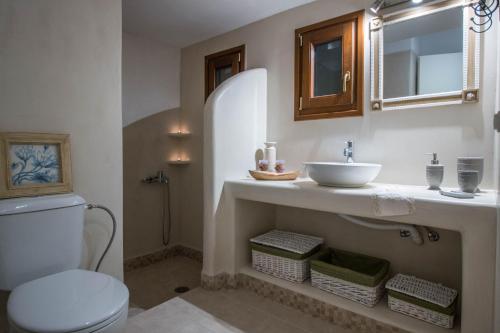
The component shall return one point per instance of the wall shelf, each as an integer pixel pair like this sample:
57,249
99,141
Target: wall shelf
179,162
179,134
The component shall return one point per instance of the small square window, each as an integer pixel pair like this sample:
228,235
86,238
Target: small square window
221,66
329,68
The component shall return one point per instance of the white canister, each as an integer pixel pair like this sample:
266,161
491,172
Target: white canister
270,155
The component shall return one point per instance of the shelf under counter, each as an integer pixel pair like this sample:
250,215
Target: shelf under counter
248,207
379,312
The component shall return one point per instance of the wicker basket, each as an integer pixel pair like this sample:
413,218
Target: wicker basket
421,313
354,276
285,255
421,299
284,268
368,296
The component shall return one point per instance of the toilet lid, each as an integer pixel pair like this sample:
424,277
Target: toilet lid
68,301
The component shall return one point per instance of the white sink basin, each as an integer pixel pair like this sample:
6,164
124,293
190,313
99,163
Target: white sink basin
342,174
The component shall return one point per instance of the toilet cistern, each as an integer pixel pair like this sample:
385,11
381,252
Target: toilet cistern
348,151
48,291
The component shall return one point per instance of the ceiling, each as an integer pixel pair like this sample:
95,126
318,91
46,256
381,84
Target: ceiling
180,23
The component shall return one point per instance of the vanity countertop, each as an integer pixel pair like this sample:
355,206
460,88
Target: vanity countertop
475,219
431,208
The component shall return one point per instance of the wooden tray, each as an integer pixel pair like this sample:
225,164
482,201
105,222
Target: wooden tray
266,175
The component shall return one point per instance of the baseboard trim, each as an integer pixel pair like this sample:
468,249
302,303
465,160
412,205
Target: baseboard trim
301,302
219,281
151,258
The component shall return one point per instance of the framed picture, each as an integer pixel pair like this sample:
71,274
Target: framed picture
34,164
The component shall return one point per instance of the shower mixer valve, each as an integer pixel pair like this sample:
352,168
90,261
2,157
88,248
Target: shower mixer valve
160,178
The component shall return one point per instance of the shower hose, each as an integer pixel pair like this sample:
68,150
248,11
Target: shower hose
165,212
166,240
107,210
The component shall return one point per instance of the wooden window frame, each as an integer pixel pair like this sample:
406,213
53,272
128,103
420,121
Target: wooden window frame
331,106
226,57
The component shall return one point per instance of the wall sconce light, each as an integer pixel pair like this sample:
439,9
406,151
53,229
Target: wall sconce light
179,133
179,159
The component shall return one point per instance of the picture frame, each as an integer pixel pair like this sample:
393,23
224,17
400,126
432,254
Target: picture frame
33,164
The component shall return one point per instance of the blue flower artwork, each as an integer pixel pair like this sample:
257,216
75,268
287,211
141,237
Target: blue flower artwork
34,164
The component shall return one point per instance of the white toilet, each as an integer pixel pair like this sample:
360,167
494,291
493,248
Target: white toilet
41,242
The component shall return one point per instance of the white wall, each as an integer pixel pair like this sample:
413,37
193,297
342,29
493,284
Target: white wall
60,71
445,66
397,139
447,41
400,74
151,97
151,78
145,151
495,32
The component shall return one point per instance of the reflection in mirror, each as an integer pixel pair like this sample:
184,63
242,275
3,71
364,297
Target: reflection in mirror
424,55
222,74
328,68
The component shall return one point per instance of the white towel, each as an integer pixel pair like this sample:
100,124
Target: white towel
390,203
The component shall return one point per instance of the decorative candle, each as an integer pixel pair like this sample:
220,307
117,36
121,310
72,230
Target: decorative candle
280,166
263,165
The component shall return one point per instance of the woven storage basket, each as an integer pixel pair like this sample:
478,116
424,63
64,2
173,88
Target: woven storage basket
368,296
284,268
342,278
284,254
421,299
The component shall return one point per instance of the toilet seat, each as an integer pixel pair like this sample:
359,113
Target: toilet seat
103,327
71,301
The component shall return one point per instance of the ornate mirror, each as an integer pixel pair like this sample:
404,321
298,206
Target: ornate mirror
424,56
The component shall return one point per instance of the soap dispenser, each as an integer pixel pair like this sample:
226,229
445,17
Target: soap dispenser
434,173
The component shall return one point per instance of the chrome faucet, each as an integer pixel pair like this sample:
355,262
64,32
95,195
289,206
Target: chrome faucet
348,151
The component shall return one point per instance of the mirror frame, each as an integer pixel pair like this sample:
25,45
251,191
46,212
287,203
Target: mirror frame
471,56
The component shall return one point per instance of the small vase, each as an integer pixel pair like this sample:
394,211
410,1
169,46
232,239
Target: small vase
270,155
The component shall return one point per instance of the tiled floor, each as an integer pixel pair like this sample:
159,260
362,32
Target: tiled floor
155,284
202,311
